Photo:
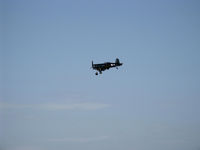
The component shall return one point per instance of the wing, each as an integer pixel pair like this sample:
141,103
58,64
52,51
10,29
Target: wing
101,67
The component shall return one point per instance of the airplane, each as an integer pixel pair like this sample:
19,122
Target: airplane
106,65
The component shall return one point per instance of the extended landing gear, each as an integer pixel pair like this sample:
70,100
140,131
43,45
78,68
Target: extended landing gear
97,73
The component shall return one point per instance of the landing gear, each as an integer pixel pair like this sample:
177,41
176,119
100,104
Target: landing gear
97,73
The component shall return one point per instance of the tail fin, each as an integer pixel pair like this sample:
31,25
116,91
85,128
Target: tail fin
117,61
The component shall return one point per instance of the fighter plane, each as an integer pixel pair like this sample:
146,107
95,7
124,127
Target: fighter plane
107,65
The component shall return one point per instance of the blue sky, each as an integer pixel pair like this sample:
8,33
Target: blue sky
51,99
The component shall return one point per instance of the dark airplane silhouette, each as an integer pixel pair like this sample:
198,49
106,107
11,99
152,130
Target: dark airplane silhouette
106,65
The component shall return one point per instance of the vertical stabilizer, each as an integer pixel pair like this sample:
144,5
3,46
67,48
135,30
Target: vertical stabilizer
117,61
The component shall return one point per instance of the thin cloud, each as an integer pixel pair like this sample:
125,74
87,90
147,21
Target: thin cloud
80,140
25,148
53,106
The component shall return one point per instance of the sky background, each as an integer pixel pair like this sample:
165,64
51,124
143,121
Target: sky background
51,99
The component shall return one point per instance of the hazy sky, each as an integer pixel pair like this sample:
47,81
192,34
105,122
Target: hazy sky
51,99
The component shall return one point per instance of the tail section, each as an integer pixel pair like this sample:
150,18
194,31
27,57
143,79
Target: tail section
117,61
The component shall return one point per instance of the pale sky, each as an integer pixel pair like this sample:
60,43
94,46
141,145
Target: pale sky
51,99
